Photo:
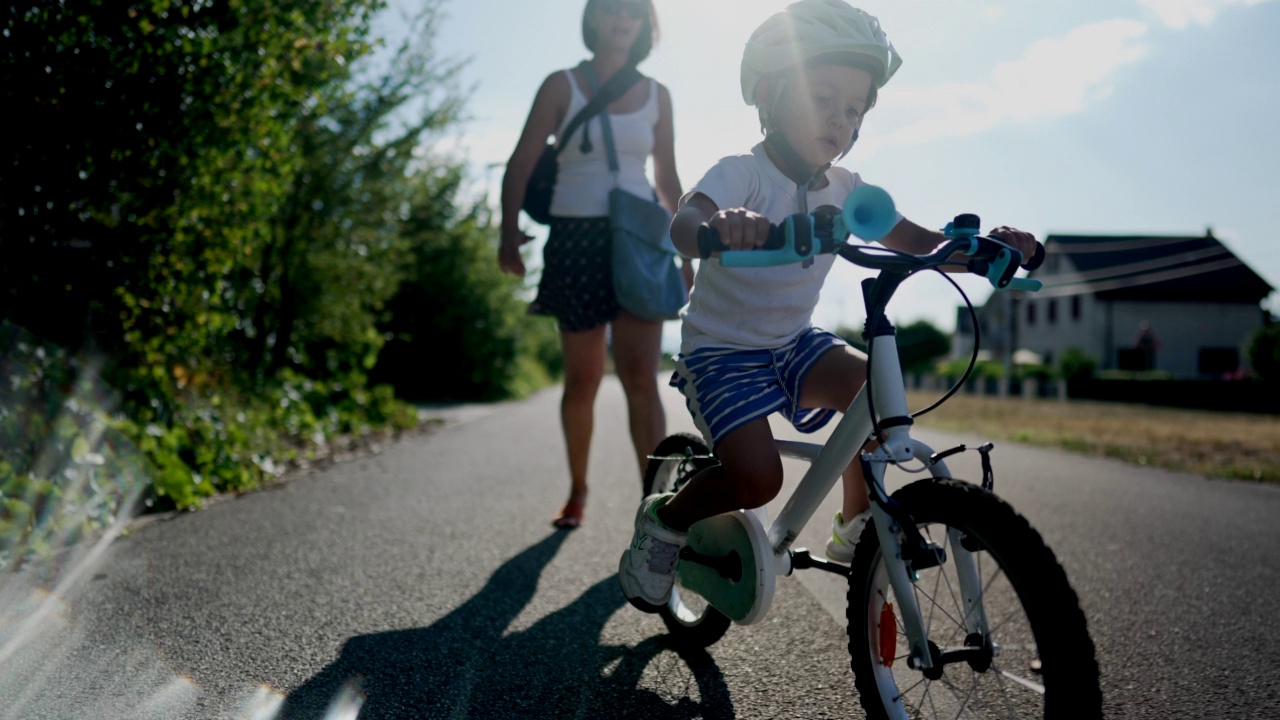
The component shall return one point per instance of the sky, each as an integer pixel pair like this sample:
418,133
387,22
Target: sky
1071,117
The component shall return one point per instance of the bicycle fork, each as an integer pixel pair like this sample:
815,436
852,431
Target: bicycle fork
905,552
903,559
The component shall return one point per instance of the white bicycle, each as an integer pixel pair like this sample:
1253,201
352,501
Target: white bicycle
956,608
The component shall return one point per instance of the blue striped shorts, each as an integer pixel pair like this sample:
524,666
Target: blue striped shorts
725,388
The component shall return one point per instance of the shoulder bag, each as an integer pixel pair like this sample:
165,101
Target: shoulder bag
537,192
646,278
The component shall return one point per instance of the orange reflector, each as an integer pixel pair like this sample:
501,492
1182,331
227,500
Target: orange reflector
888,635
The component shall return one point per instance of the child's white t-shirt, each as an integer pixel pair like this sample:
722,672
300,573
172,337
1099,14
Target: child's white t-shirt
763,307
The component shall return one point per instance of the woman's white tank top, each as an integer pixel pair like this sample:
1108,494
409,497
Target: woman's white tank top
583,180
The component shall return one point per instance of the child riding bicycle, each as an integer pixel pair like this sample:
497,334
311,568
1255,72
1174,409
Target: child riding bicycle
748,348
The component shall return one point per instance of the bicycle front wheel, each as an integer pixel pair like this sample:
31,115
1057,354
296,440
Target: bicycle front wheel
691,620
1036,661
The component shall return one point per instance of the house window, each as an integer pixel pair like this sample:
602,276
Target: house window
1075,307
1053,311
1031,312
1218,360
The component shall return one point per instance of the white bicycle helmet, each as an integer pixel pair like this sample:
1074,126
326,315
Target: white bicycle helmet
811,28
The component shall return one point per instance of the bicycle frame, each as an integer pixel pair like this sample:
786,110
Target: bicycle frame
798,239
827,463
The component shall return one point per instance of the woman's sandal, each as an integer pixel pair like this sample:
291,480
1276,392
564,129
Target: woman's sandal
570,516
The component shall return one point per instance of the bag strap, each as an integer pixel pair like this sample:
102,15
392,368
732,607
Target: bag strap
612,90
608,134
605,126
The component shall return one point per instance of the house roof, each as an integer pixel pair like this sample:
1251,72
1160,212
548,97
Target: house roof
1152,268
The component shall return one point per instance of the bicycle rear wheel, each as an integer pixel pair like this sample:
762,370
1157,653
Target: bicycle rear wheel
692,622
1038,661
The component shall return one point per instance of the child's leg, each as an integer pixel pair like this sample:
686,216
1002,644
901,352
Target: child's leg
833,382
749,475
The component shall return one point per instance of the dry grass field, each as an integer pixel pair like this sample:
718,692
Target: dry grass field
1225,445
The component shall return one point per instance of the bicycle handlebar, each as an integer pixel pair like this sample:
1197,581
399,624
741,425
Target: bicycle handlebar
869,213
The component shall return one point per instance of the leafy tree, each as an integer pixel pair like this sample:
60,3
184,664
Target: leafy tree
220,198
154,146
457,329
920,343
340,225
1263,351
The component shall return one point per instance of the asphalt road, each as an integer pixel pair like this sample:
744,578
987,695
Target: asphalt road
429,573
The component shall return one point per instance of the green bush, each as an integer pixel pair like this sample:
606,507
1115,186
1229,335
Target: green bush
1263,352
1075,364
456,304
982,369
228,236
920,344
65,470
1036,371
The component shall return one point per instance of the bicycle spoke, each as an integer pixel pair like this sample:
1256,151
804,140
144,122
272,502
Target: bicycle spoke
995,574
1029,684
929,624
1004,693
1007,618
964,626
931,704
954,690
903,693
944,575
935,602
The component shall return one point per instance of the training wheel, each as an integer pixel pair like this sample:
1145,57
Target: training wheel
747,599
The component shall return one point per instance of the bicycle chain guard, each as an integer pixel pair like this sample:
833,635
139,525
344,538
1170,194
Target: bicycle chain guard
745,600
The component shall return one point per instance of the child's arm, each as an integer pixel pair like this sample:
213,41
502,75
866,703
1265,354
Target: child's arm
739,228
909,237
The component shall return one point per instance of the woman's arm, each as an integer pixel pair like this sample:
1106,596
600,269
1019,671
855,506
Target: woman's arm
664,168
664,154
548,110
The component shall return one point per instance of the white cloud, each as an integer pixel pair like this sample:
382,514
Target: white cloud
991,12
1179,14
1054,77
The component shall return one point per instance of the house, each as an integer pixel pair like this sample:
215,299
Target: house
1183,305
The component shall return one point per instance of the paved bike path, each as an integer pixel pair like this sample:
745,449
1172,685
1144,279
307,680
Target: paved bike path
430,571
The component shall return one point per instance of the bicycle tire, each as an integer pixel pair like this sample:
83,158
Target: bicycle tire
1054,644
690,624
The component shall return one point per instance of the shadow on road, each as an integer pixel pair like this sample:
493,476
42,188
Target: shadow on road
463,666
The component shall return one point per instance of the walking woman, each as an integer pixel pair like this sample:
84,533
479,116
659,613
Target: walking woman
577,284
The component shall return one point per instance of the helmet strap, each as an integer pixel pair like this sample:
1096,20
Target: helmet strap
795,168
852,139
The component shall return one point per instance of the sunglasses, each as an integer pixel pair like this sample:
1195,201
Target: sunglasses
637,10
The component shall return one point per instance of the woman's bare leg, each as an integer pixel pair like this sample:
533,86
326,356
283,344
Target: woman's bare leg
637,348
584,354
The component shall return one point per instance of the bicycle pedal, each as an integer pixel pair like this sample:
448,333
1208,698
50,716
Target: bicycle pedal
802,559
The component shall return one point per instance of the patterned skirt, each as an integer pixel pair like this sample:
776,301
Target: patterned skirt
577,276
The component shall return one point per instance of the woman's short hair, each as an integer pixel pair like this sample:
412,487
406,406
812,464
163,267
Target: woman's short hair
645,41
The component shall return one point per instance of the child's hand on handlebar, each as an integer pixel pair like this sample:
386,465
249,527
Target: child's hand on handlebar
1023,242
740,228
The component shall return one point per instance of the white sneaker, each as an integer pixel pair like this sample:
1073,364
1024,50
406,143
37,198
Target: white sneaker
647,569
844,536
